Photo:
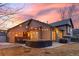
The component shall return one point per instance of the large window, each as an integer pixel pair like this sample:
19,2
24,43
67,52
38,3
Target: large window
31,35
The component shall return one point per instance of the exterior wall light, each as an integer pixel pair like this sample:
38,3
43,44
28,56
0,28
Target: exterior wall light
20,25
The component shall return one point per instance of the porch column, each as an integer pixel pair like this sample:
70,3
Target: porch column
51,41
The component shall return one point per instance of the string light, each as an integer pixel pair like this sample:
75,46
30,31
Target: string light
20,25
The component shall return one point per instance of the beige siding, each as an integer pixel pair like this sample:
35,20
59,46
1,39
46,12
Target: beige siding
20,29
13,32
46,35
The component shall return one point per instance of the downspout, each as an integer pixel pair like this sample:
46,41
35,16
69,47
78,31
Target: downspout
40,32
50,34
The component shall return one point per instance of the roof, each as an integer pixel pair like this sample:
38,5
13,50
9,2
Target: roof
62,23
28,23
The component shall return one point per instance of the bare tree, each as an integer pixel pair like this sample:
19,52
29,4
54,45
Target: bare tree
67,12
61,11
71,10
6,12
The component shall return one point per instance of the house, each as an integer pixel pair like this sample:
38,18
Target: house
62,29
3,36
38,34
31,31
75,35
76,32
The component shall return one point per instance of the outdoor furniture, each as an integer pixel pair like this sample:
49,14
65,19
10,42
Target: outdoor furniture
75,39
63,40
68,37
39,44
20,40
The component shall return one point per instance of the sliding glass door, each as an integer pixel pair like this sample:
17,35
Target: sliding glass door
31,35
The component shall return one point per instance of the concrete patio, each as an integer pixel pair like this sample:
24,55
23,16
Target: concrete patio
9,45
56,50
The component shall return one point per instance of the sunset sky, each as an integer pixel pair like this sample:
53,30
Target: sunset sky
43,12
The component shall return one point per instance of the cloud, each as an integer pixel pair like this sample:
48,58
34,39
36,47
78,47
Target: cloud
45,11
41,11
50,17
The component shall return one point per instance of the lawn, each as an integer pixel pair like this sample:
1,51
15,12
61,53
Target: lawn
64,50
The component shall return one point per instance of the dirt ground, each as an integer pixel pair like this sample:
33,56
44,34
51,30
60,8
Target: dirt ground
64,50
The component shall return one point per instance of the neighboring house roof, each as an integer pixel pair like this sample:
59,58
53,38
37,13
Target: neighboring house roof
62,23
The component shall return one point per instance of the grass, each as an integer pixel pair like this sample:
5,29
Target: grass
64,50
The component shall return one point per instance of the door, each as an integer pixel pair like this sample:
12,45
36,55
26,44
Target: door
57,34
61,34
54,36
3,37
31,35
26,35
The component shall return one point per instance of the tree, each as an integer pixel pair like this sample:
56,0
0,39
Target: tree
71,10
67,12
61,11
6,13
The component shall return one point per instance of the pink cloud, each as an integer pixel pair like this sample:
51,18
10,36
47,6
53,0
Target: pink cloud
50,17
47,12
33,10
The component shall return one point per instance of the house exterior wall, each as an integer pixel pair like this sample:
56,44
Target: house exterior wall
76,32
46,34
18,31
67,30
70,32
3,36
62,31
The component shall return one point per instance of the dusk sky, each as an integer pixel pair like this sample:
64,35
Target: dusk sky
42,12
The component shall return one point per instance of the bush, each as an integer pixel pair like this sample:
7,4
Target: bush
75,39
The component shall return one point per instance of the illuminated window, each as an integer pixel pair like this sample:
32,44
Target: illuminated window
33,35
28,34
56,29
26,26
16,34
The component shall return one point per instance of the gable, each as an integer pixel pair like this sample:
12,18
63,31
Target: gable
63,23
31,23
37,24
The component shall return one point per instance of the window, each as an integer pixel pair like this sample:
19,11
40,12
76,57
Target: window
68,30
